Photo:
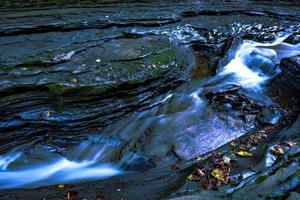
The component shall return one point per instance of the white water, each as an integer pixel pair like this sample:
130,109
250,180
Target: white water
89,160
249,52
55,172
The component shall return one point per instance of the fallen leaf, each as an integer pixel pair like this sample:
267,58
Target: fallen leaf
74,80
72,195
175,167
243,147
277,150
233,144
189,177
206,186
244,153
219,174
226,160
200,158
200,172
100,197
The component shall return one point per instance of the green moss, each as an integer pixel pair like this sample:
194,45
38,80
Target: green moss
93,90
57,88
85,92
31,63
163,58
60,15
4,68
260,179
23,67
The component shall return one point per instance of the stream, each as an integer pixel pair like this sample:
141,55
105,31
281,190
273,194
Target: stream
149,99
181,119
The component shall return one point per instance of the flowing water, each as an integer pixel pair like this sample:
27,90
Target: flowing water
180,121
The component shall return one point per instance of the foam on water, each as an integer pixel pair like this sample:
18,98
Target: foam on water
55,172
251,57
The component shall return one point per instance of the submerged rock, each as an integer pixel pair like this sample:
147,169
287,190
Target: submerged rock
269,116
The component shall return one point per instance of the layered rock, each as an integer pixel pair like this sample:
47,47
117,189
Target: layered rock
289,80
77,87
80,69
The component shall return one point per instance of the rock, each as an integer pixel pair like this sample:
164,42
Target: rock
136,162
210,133
84,83
70,72
269,186
291,132
204,195
289,80
152,184
293,196
269,116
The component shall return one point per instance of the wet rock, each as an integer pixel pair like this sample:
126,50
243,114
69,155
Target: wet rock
82,68
227,88
102,64
81,85
203,195
250,119
284,178
294,196
136,162
269,116
208,134
289,79
290,132
152,184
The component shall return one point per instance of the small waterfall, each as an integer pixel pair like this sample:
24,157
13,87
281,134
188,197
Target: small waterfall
182,117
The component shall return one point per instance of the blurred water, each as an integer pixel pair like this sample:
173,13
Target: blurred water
180,119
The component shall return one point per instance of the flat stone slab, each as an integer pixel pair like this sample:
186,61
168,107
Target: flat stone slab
78,81
74,64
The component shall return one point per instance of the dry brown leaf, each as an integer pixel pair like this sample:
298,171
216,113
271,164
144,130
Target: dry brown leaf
244,153
200,172
74,80
277,150
226,160
233,144
219,174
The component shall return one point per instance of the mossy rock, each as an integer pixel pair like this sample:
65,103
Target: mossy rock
99,67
